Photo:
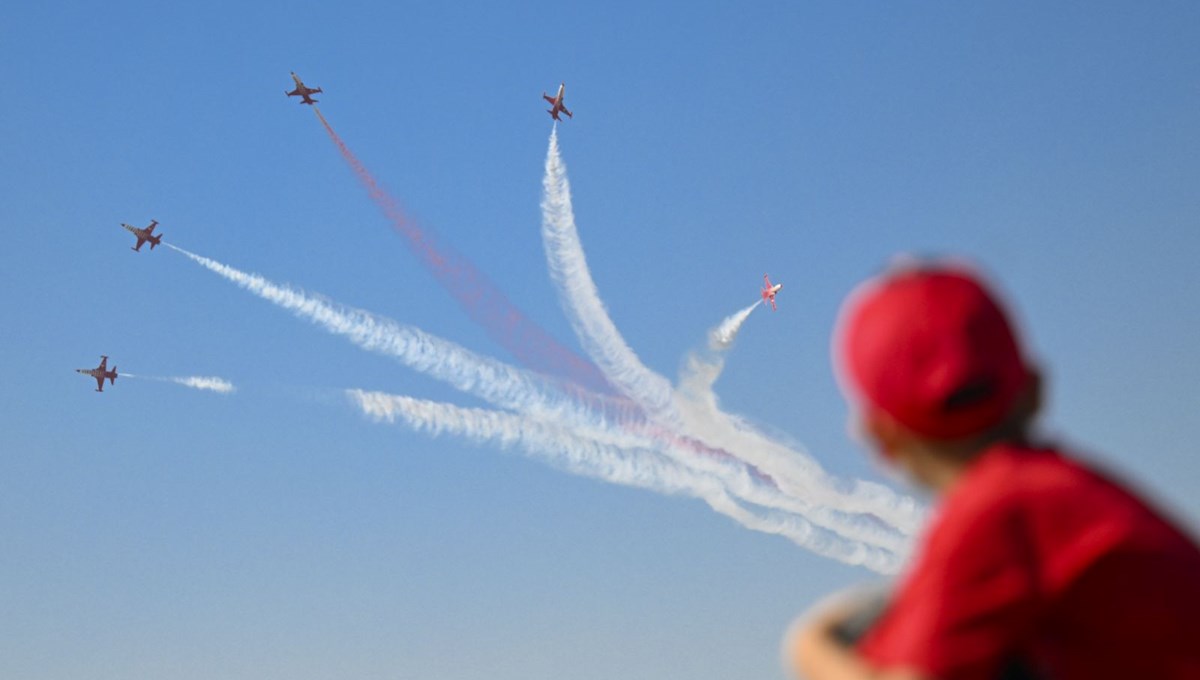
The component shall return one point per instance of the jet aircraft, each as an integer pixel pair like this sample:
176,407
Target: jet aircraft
769,291
556,103
144,235
100,373
302,91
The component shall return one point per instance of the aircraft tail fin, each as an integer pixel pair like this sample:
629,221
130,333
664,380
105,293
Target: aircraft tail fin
112,379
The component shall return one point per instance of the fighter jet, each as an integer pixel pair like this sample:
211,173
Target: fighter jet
100,373
302,91
556,103
144,235
769,291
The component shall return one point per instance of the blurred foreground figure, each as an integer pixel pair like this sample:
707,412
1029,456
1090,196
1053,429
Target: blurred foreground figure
1034,566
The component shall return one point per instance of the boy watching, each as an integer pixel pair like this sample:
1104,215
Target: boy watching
1034,565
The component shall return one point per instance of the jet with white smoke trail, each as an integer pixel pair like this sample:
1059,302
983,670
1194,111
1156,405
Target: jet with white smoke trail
693,407
868,511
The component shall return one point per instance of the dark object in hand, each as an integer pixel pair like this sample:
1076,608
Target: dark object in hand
872,606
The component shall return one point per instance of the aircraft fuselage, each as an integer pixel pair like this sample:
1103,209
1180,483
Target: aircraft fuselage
100,373
556,103
144,235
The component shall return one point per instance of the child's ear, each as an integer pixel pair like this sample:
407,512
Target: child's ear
885,435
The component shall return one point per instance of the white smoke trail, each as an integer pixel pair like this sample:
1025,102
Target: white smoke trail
493,381
196,382
865,510
693,408
510,388
507,387
581,301
721,338
699,406
699,376
566,449
604,344
211,383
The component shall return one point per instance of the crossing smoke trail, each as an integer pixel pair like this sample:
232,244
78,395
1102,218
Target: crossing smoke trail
643,468
698,404
482,301
654,393
678,441
693,407
196,382
530,394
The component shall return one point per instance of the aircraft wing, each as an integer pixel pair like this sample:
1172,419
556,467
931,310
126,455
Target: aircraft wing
548,98
100,383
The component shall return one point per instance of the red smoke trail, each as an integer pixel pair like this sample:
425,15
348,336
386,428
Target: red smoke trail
483,302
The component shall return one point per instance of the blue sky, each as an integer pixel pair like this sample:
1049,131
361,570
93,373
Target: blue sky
157,531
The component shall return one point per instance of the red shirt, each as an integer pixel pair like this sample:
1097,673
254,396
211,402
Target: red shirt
1033,556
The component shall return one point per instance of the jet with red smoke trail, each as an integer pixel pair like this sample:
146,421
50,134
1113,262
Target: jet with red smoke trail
556,103
302,91
144,235
769,291
485,303
100,373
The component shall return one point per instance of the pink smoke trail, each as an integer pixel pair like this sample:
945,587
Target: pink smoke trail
479,297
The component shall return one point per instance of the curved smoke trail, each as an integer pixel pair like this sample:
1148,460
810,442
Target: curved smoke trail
581,301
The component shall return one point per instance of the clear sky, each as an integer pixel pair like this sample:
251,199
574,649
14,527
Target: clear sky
156,531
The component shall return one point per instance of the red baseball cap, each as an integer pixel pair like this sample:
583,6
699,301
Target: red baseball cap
932,348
